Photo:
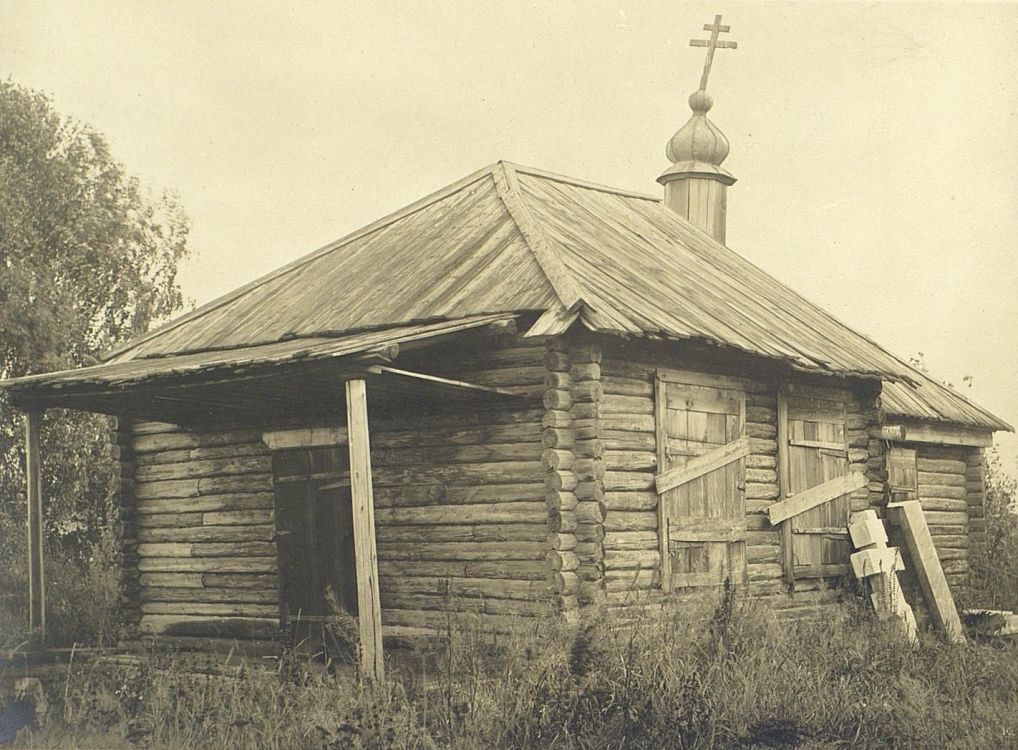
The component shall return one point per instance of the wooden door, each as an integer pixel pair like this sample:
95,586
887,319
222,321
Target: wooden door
817,453
314,531
701,454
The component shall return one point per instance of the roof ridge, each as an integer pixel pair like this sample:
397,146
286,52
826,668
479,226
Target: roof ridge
293,265
586,184
566,288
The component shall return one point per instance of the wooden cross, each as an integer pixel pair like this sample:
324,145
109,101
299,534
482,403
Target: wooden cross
712,44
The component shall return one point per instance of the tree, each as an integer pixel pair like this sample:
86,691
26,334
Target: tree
87,259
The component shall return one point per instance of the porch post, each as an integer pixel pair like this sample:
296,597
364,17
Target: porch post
368,604
36,576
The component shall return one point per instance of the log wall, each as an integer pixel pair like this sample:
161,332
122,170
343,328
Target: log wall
461,509
627,431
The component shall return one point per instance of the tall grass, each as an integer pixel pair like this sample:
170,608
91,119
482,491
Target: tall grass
727,675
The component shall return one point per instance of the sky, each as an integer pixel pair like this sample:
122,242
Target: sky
875,144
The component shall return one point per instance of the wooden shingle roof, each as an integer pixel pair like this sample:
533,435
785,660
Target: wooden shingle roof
511,239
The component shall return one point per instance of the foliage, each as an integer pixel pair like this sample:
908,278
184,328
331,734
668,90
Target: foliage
994,564
682,677
87,259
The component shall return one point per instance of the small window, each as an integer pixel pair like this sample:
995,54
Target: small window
902,476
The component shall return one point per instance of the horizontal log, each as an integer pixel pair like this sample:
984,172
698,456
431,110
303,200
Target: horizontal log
615,385
442,604
761,462
928,490
182,488
941,479
255,533
562,521
617,440
630,540
498,588
207,565
155,442
941,518
204,626
623,501
949,530
499,472
562,560
937,503
535,569
623,520
237,517
230,450
233,501
585,371
561,541
176,580
417,495
940,465
951,541
761,491
145,427
763,553
486,532
478,513
169,520
623,559
628,481
616,460
639,423
614,404
219,610
208,595
527,432
206,468
433,451
631,581
477,551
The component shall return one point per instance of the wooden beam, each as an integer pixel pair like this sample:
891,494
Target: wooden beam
306,437
36,572
366,555
704,464
939,434
908,517
784,480
807,499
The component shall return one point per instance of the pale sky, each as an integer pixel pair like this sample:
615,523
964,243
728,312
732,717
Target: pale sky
876,144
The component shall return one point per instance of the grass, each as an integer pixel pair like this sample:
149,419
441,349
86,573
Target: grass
731,676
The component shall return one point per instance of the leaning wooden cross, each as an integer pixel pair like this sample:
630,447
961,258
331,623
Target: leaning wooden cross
879,565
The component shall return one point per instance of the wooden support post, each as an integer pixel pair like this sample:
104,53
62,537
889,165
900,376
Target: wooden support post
784,479
368,603
36,574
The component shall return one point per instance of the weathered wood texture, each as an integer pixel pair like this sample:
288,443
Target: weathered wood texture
626,428
460,507
949,506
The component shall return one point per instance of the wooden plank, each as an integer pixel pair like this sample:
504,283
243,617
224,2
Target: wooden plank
368,601
704,464
691,529
821,444
784,481
308,437
707,380
943,434
36,563
909,517
814,496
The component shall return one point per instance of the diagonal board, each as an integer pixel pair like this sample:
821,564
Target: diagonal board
814,496
908,516
703,464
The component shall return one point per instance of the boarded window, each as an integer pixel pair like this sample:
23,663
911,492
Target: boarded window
702,519
314,531
817,452
902,476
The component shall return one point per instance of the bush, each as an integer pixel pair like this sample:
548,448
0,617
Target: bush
994,565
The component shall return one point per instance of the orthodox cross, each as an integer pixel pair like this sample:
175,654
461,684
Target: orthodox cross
712,44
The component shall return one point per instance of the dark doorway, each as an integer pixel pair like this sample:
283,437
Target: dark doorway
314,532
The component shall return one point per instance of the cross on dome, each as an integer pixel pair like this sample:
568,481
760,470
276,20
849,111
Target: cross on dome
712,44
